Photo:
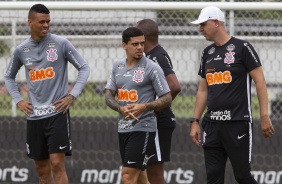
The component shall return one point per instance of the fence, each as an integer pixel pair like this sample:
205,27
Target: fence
96,157
95,30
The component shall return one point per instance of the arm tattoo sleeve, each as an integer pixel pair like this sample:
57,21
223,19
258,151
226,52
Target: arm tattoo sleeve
160,103
110,99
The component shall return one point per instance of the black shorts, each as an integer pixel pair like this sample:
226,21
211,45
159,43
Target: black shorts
223,140
162,145
135,148
48,135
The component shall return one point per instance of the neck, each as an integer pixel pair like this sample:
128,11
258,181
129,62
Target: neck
222,39
131,62
37,38
149,46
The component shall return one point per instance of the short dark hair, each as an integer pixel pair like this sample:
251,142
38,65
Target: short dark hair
131,32
38,8
149,28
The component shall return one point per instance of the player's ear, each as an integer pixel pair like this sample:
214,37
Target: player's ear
123,45
216,22
29,21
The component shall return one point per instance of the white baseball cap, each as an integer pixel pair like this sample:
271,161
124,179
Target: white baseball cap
210,13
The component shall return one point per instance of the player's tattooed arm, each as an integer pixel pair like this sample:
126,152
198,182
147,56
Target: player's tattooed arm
160,103
70,99
111,101
64,104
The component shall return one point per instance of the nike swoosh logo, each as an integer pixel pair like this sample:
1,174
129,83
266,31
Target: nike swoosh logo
239,137
209,60
62,147
130,162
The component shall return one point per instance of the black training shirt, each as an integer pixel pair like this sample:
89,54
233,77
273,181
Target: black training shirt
166,117
226,69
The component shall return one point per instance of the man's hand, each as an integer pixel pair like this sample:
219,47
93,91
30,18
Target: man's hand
134,111
64,103
25,107
266,126
195,133
126,112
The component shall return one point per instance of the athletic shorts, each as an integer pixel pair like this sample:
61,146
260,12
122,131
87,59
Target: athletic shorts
223,140
48,135
162,145
134,148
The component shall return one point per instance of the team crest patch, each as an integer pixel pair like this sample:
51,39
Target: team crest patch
141,67
229,57
52,55
28,61
138,76
211,50
51,44
121,66
26,49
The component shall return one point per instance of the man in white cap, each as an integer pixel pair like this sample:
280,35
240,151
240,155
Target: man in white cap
227,69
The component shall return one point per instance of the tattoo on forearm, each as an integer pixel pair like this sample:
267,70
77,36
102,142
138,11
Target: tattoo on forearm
160,103
110,99
70,99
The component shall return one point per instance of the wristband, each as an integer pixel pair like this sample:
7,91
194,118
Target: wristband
194,120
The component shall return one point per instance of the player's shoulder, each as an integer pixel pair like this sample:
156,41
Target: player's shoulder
147,61
120,63
159,49
157,52
209,49
24,46
241,44
238,41
57,38
149,64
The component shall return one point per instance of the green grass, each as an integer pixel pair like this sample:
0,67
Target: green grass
92,104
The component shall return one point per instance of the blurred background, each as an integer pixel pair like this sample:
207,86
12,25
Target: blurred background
95,28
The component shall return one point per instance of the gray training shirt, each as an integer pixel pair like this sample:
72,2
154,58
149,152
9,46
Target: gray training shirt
138,84
46,69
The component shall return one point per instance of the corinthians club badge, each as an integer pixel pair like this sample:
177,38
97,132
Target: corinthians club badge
229,56
138,76
52,55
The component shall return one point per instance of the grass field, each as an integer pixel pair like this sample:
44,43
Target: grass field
92,104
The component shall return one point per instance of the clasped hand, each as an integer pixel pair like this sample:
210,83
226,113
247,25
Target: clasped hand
132,111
